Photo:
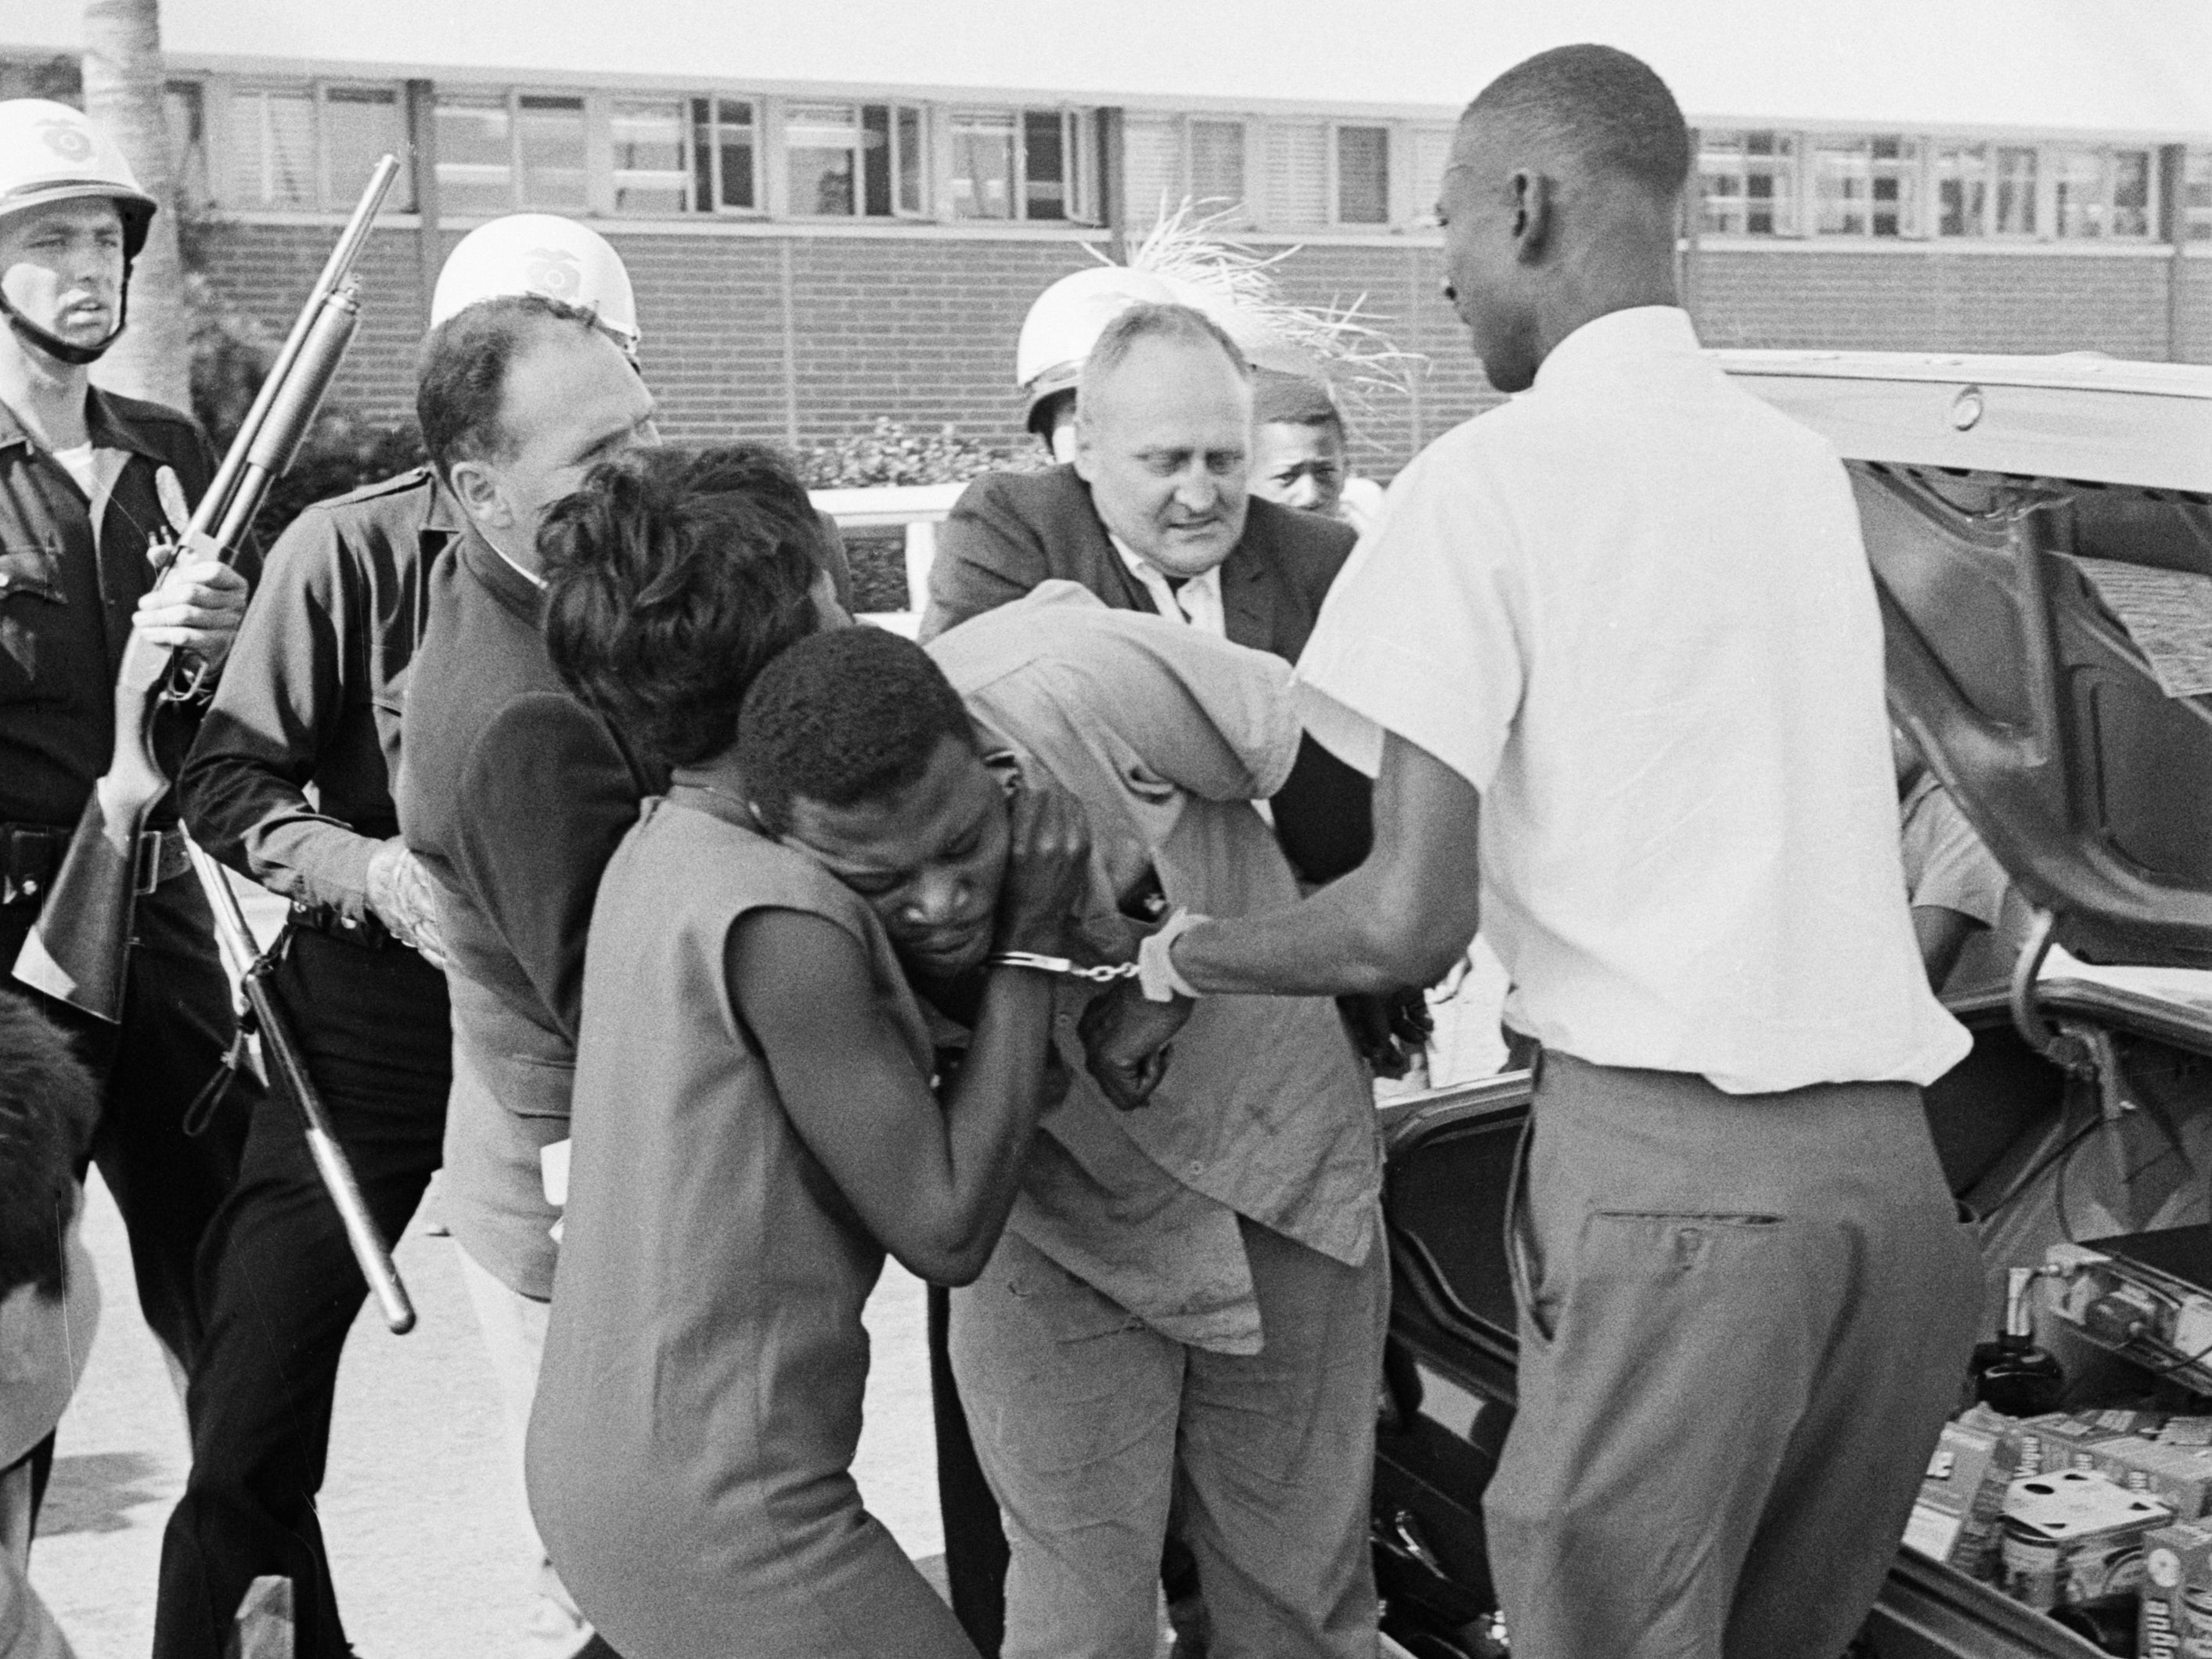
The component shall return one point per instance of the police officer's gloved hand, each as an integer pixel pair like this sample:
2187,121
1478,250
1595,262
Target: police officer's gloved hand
400,893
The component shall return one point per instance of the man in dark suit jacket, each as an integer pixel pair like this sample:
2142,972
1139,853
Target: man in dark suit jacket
1010,531
1153,515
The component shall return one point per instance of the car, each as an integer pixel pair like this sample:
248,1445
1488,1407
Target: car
2033,525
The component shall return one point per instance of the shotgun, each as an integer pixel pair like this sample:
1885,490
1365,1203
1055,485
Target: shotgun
78,950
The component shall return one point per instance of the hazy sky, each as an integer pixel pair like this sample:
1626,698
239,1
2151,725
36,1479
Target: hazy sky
2117,65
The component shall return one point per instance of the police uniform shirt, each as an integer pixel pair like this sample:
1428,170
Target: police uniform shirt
1631,608
68,594
311,698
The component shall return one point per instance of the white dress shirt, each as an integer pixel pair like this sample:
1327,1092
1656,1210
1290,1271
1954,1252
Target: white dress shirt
1632,609
1197,602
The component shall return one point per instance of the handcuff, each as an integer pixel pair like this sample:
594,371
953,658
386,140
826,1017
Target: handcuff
1103,974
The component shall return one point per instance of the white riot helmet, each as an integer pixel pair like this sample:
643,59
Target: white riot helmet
51,152
540,253
1065,321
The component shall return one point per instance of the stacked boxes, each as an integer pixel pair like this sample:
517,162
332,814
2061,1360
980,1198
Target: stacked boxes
2071,1535
1961,1504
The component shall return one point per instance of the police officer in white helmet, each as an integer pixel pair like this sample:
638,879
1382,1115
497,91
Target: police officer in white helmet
314,696
90,483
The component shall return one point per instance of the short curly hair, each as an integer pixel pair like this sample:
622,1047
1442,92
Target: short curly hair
844,718
48,1105
1597,107
671,577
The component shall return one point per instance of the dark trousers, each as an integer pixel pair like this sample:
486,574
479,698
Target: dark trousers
282,1290
178,1021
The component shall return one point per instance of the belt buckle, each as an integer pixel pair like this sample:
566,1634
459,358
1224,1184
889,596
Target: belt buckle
148,871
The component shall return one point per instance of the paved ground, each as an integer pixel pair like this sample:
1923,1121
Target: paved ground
417,1506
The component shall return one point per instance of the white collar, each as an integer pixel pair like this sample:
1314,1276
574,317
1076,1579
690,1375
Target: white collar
1640,334
1148,573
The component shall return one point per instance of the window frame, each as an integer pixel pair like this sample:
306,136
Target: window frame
1079,126
2192,222
220,100
1913,168
778,204
2107,155
1792,165
598,155
1241,208
1390,182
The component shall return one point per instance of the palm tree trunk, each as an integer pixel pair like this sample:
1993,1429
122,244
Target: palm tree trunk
123,78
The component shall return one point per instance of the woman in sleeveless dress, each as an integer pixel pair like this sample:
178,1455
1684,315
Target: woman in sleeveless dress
753,1125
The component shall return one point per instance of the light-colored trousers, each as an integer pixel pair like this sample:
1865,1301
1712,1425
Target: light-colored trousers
1744,1319
514,1327
1089,1424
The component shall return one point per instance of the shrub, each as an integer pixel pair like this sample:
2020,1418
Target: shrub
888,453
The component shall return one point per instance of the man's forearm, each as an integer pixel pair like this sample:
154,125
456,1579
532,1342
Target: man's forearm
1404,917
263,826
1332,944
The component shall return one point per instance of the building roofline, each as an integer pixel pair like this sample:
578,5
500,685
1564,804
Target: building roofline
254,67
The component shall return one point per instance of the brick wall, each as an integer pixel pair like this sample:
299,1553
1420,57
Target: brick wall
766,337
2195,308
1932,300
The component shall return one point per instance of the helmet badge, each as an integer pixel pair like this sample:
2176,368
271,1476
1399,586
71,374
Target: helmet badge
70,142
553,272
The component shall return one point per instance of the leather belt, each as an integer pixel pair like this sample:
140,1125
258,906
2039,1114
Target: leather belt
32,853
366,931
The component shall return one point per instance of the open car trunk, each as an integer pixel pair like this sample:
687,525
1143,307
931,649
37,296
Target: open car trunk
2041,658
2027,1145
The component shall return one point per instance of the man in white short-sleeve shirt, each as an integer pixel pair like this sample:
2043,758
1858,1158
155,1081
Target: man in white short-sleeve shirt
1613,656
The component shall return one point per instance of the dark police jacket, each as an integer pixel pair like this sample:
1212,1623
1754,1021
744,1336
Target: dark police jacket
65,610
312,694
1010,531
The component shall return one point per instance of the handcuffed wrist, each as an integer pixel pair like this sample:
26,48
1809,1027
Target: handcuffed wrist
1156,970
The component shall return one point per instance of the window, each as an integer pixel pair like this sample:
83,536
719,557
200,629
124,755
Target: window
1217,165
985,145
2194,223
1046,155
1866,186
476,155
725,154
1748,184
1962,190
361,125
2099,193
549,137
2015,192
497,153
306,147
1363,175
1297,172
1018,164
650,174
272,145
853,160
